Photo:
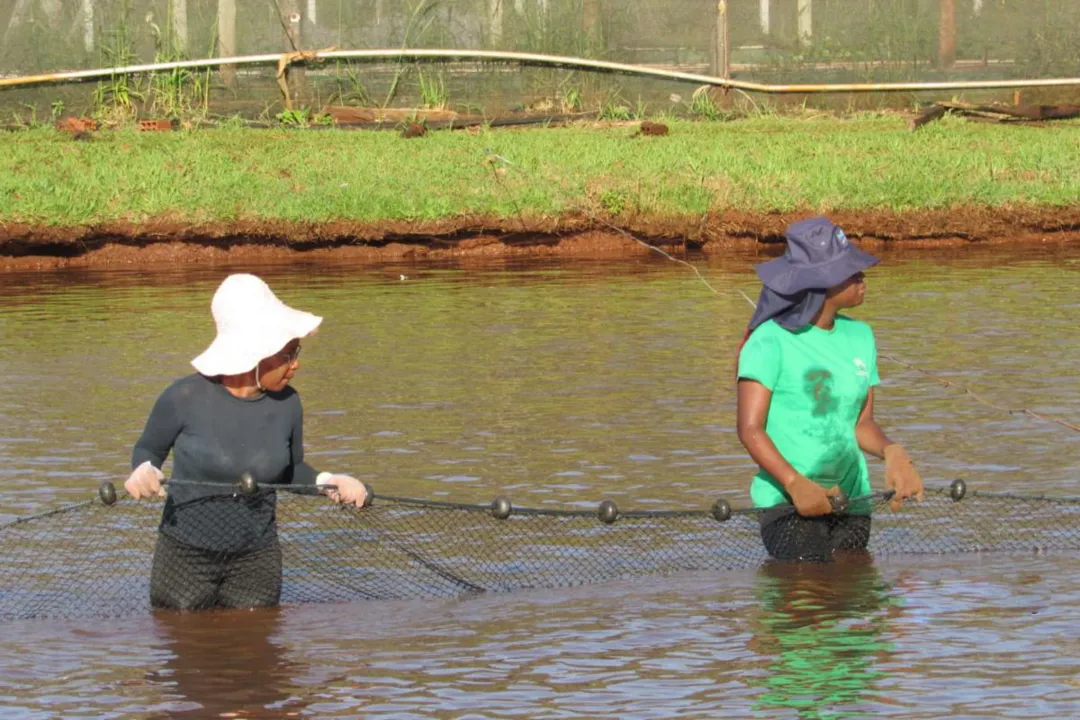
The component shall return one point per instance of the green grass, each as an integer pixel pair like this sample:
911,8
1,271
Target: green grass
760,164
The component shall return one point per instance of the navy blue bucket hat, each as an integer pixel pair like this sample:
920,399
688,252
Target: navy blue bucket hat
818,256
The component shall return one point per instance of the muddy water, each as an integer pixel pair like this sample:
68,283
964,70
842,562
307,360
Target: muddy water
561,385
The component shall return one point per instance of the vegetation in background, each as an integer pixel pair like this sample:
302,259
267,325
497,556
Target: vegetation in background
760,164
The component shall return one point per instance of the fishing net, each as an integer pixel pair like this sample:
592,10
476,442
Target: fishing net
96,558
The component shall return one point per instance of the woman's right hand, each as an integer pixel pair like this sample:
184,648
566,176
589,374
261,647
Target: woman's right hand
145,482
809,498
343,489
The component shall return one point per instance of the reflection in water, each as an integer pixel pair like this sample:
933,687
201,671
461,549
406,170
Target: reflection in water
821,626
215,674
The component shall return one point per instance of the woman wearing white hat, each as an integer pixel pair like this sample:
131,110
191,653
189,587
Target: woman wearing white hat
237,415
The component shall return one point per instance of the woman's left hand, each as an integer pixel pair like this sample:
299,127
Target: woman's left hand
346,490
901,476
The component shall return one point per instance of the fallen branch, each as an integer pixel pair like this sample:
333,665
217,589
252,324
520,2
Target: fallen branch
996,113
289,58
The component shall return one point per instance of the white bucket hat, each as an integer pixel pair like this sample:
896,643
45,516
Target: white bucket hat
252,324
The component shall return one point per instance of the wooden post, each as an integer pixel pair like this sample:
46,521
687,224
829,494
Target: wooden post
805,22
86,19
721,64
179,25
226,20
947,34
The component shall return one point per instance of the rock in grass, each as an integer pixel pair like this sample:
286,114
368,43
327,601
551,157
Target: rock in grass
652,128
413,129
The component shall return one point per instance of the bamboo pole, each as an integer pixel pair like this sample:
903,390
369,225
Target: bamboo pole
494,56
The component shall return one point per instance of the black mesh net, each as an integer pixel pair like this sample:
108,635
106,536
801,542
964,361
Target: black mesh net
101,559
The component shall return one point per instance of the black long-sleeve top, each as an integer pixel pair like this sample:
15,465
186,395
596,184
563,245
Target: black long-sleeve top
216,437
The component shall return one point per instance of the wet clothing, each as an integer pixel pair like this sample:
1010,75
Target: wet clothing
216,533
215,437
819,381
790,536
184,577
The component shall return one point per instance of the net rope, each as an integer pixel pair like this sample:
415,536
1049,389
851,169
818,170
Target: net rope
93,559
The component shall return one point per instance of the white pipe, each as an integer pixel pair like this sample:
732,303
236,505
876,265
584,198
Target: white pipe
977,6
311,12
763,15
546,60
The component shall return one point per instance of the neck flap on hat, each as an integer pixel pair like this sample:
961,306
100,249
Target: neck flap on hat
791,312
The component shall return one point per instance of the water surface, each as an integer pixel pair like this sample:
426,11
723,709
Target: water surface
561,385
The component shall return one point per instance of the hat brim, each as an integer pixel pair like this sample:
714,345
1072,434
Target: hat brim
786,278
238,352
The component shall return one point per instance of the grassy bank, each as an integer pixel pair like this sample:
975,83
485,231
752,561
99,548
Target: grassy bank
762,164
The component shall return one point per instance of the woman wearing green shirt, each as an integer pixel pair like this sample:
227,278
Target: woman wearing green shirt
806,398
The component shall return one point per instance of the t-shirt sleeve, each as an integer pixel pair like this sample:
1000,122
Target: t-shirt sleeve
161,430
301,472
760,359
875,379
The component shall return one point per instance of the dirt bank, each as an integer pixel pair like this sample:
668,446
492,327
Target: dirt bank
25,247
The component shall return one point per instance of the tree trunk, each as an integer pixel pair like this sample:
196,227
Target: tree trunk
179,25
86,20
227,39
496,12
53,10
806,21
292,21
18,17
947,34
591,22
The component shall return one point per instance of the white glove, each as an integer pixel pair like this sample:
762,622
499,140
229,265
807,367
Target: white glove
347,490
145,482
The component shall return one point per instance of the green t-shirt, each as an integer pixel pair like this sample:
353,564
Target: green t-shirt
819,380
